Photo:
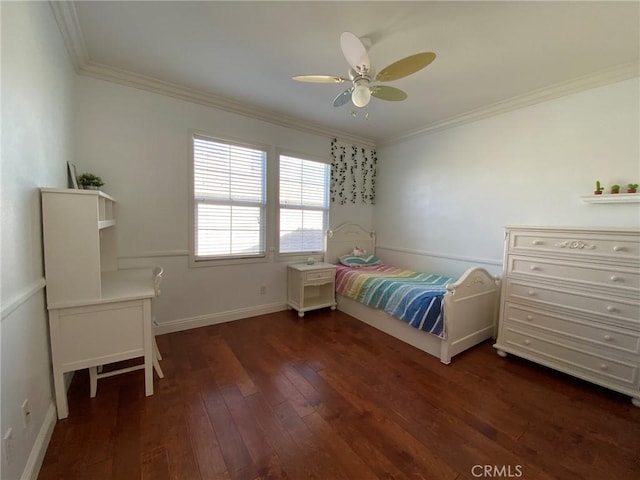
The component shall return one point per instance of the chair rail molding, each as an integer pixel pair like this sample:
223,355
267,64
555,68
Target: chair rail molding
447,256
22,297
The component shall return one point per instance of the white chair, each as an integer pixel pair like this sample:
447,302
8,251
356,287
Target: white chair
95,373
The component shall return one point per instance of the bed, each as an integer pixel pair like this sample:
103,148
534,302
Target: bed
463,312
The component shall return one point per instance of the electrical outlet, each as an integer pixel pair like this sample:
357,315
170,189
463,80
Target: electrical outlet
263,289
7,444
26,413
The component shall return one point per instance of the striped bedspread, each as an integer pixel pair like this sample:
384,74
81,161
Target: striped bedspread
415,298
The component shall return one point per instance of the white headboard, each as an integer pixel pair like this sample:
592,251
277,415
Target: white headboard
341,240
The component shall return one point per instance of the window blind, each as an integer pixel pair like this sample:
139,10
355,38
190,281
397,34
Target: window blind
304,204
229,199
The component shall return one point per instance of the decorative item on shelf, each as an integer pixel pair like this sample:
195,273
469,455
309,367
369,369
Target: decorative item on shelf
73,175
632,188
599,189
89,181
615,189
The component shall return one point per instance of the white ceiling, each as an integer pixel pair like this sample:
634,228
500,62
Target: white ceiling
490,55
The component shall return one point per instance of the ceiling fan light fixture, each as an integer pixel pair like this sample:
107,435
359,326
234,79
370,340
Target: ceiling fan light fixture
361,95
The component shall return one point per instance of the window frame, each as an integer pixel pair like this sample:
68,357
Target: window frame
195,260
301,256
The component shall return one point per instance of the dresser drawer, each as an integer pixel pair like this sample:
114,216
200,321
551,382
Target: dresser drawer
316,277
617,310
594,274
571,358
573,328
579,244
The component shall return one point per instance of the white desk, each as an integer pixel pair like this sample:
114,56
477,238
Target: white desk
115,327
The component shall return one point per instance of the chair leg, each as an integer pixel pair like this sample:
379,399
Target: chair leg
156,357
95,371
93,381
155,345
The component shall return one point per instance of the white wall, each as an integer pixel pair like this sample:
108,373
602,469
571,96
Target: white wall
37,127
138,142
443,199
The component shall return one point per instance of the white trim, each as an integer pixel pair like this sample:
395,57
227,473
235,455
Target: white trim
66,17
603,77
39,449
215,318
448,256
69,26
156,254
22,297
143,82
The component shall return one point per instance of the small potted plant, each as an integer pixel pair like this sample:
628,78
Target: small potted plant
615,188
632,188
89,181
599,189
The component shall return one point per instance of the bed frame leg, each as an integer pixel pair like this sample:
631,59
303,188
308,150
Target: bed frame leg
445,356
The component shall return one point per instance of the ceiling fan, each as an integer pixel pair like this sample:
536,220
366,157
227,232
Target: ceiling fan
361,74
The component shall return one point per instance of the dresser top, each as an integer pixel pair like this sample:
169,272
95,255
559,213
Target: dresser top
631,230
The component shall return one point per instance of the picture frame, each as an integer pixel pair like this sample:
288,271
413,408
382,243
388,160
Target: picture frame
73,175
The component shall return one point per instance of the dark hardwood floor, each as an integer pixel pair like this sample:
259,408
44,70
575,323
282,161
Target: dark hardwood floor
328,397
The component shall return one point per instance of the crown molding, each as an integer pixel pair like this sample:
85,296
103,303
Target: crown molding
143,82
67,19
69,26
604,77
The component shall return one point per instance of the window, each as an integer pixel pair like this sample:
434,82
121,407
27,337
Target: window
229,200
304,204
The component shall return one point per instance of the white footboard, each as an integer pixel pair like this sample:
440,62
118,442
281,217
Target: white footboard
470,312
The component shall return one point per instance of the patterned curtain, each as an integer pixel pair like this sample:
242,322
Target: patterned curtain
353,174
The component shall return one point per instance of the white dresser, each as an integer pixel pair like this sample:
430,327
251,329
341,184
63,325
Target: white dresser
571,301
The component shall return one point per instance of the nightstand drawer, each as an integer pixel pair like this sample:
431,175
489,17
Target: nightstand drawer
316,277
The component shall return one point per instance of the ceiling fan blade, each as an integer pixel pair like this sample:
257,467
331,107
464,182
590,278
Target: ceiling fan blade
405,67
320,78
343,98
384,92
355,53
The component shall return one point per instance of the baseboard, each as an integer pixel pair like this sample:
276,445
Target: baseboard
215,318
36,457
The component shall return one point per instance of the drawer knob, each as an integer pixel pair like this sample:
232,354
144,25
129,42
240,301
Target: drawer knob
527,342
536,242
530,317
617,248
615,278
607,338
531,293
534,267
611,308
604,366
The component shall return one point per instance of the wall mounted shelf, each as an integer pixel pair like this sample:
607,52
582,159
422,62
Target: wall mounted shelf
612,198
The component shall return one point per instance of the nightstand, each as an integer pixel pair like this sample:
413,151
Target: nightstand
311,286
